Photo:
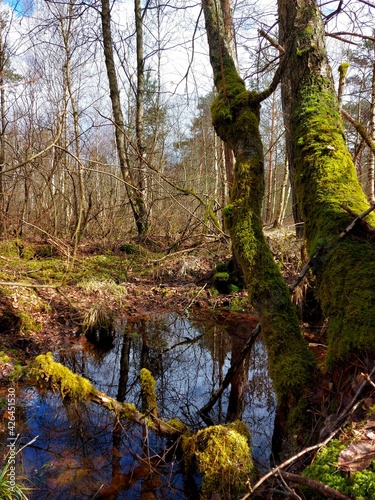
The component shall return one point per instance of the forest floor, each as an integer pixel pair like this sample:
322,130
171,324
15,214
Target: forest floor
46,297
126,280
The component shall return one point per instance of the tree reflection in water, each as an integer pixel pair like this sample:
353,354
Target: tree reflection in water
84,452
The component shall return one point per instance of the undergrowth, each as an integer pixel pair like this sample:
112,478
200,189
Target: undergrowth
359,485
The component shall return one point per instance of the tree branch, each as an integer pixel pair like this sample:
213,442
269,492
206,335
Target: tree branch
323,489
272,41
360,129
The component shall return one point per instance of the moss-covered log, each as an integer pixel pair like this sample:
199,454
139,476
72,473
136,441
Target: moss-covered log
235,113
47,373
221,453
326,185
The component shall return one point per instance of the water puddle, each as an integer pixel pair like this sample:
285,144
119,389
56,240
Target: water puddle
82,452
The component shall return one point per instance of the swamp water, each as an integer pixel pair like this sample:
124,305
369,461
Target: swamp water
82,452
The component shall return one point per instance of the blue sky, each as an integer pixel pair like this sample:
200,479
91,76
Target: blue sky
20,7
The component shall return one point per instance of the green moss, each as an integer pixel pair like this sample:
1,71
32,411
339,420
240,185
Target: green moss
325,174
178,425
148,386
4,358
231,106
221,281
128,410
232,288
302,52
17,249
226,280
28,324
359,485
227,210
223,456
47,373
347,296
343,69
325,181
324,469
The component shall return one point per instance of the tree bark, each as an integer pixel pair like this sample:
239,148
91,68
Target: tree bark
324,182
135,195
142,222
371,163
235,113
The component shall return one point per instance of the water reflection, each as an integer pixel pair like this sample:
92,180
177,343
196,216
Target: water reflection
84,452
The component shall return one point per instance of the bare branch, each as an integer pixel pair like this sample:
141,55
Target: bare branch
360,129
338,34
272,41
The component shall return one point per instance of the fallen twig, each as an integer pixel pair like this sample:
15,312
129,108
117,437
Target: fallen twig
278,469
186,310
27,285
323,489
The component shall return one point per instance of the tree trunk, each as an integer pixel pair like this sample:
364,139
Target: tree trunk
235,113
325,185
283,201
135,196
66,32
142,223
268,215
3,125
371,165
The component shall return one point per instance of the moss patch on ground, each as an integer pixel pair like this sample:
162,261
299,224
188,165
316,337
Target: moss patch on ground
359,485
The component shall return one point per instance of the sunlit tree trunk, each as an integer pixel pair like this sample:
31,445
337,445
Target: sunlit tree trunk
142,223
270,179
283,198
371,165
325,185
2,136
3,123
134,194
66,32
235,113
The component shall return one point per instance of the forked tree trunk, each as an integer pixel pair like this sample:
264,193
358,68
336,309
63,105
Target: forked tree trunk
143,222
326,186
135,194
235,113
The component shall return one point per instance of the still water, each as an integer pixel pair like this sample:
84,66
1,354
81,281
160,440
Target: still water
82,452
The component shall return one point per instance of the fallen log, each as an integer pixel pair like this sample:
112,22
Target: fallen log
47,373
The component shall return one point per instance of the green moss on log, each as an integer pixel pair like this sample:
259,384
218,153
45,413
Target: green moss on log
223,456
47,373
347,296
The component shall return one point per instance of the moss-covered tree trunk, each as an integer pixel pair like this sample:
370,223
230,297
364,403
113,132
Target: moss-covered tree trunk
326,185
235,113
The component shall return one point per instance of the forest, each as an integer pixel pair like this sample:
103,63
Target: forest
187,220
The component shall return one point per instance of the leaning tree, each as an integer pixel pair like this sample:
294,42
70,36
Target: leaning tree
235,114
328,193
